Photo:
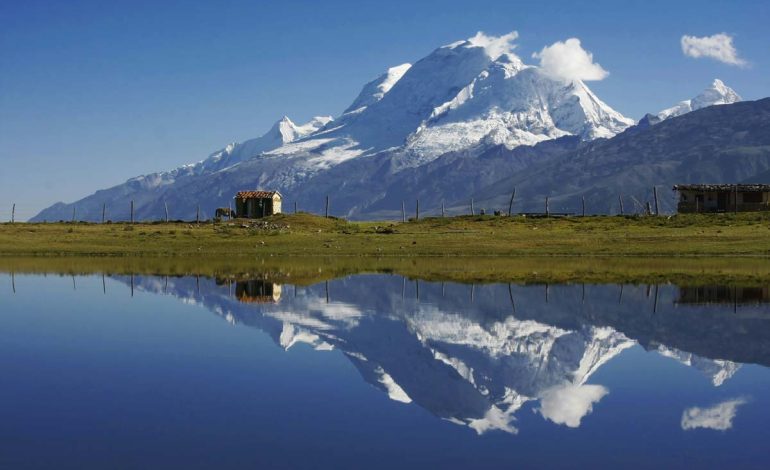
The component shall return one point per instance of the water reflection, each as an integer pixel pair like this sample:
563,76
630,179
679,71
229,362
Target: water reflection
736,295
257,291
476,354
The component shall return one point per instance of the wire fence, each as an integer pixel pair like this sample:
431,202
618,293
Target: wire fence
654,203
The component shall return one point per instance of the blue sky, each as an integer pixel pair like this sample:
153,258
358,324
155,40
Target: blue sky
94,92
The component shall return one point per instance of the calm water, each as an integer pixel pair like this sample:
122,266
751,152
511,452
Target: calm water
378,371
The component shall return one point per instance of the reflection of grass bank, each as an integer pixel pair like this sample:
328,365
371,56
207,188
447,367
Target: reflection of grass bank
308,270
306,235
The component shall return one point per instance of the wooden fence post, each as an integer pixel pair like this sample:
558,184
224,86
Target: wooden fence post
73,214
13,213
472,213
620,198
735,203
417,210
326,211
547,209
403,212
583,198
165,206
132,211
510,204
295,207
104,210
198,214
442,208
655,195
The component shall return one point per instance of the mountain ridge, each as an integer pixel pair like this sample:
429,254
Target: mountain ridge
462,103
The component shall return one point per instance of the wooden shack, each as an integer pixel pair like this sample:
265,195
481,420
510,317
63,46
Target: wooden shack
256,204
723,197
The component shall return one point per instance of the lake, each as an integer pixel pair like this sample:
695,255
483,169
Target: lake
379,371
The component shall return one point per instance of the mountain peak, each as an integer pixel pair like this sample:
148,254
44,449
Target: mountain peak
716,93
494,46
373,91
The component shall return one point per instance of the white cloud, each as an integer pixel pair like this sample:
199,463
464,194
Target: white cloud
719,47
718,417
569,61
495,46
568,404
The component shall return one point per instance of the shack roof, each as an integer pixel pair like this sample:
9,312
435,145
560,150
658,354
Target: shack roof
257,299
256,194
741,188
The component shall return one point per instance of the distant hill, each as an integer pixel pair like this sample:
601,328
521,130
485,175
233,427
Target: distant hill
718,144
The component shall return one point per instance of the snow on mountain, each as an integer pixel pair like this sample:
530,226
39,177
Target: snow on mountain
717,93
389,109
282,132
715,369
514,104
377,88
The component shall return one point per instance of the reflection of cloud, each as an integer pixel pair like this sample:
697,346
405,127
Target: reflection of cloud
719,416
568,404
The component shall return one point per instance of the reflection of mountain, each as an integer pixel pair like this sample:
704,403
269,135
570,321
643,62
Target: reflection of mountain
476,354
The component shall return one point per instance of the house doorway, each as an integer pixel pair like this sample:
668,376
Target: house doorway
722,199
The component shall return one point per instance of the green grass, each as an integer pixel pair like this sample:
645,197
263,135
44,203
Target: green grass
746,235
301,248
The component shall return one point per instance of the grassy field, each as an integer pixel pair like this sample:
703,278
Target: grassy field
745,235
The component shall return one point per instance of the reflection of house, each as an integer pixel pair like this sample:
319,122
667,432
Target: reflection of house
255,204
723,197
723,295
257,291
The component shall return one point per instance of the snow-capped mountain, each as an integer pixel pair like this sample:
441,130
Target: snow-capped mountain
457,97
717,93
513,104
471,94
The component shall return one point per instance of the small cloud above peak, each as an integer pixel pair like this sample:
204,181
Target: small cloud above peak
494,46
568,61
718,47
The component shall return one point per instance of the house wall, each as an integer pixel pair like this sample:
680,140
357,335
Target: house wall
277,204
708,201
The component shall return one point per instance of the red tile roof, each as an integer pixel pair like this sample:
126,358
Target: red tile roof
256,194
